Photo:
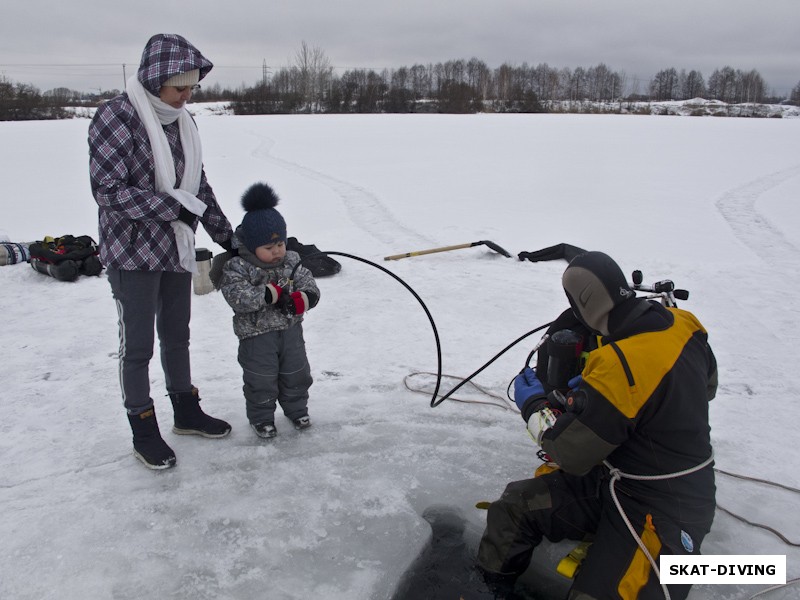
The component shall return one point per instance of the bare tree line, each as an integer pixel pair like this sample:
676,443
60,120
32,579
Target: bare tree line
21,101
310,84
726,84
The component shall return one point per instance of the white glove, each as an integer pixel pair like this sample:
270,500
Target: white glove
540,422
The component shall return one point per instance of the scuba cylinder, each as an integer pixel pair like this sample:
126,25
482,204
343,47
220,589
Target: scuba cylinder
564,349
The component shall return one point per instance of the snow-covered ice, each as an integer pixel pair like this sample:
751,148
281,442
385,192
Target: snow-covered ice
336,511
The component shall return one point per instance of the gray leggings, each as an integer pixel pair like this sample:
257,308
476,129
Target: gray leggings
275,368
149,301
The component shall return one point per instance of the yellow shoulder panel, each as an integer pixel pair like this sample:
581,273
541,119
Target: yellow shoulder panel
650,356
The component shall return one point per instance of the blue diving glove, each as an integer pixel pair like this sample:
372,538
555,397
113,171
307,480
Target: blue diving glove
575,382
527,386
534,405
576,397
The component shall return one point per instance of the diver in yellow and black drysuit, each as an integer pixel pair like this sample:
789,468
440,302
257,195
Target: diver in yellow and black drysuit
639,407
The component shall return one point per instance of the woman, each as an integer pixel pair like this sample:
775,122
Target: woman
147,178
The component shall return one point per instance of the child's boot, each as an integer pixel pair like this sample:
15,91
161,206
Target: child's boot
302,423
264,430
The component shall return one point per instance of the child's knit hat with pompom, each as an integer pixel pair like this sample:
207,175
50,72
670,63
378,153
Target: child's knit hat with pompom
262,224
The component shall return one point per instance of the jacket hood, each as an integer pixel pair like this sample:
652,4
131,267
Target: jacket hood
638,316
166,55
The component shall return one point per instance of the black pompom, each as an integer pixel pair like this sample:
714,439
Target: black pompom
258,197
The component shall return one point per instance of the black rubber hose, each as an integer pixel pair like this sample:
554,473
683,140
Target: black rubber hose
434,401
410,289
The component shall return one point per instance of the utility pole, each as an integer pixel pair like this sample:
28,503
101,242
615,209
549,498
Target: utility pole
264,73
124,78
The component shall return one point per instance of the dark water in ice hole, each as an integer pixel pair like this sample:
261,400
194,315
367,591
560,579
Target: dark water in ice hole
445,569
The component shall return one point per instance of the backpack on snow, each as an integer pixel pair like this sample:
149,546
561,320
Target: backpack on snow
320,265
65,257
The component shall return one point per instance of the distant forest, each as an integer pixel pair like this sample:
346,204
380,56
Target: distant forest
310,85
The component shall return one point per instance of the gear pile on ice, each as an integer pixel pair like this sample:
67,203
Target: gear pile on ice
65,257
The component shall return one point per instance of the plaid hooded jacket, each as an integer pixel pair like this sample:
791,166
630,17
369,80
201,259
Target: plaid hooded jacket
134,219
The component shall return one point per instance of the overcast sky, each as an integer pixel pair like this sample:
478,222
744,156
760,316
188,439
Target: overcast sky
82,44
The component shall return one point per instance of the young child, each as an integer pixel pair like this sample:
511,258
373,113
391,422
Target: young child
268,314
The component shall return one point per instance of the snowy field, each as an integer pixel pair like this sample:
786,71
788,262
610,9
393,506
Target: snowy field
336,512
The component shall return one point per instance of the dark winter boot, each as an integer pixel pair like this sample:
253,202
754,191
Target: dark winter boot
148,445
190,418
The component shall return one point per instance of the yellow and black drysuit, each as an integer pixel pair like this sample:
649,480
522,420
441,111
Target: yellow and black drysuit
642,407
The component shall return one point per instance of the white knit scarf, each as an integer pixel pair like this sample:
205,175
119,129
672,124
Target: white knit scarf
154,114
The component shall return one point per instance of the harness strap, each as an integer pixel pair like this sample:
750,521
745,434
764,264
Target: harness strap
616,475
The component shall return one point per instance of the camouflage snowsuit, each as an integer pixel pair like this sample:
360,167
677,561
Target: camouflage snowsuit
272,350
